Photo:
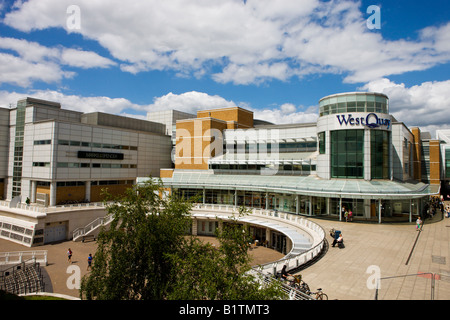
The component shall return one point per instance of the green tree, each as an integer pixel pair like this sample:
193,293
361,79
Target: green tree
146,253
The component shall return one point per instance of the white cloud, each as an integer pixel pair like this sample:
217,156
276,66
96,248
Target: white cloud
24,62
242,42
73,102
20,72
425,105
286,114
189,102
84,59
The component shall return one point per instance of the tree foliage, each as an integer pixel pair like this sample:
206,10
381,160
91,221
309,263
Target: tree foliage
146,253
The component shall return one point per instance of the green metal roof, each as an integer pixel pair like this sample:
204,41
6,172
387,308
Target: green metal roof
303,185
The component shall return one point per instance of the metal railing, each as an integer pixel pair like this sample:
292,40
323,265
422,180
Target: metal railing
40,256
42,209
94,225
23,278
291,292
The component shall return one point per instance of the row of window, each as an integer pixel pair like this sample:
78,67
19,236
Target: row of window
268,147
86,144
96,165
96,145
86,165
284,168
353,107
83,183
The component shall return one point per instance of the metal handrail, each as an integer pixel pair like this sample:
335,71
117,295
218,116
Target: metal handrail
433,278
39,256
79,232
291,292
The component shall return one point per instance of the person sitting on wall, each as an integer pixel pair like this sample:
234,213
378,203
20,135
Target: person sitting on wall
284,273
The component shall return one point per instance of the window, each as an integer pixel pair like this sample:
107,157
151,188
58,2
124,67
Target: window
322,142
63,142
41,164
379,150
347,153
42,142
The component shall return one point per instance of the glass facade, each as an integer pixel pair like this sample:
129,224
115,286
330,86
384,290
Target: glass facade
307,205
354,102
322,142
347,153
379,150
447,163
18,148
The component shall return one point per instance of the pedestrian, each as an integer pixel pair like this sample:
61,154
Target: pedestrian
284,273
350,216
69,255
338,241
89,260
418,224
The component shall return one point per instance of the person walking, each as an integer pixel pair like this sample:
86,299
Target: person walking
69,255
419,224
89,260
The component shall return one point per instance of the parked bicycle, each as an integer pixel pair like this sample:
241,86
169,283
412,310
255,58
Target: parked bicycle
319,295
297,283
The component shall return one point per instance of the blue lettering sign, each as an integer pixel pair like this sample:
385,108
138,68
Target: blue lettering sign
371,121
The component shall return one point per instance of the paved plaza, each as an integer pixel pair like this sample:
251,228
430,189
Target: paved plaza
344,274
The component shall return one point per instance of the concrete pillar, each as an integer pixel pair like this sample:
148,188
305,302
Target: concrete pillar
33,191
267,200
52,201
88,191
310,205
297,204
194,227
340,209
367,155
410,210
379,211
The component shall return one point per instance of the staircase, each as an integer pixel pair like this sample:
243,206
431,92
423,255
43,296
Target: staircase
23,278
92,229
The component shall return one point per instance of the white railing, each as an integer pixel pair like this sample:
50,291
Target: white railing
41,209
21,256
292,261
84,231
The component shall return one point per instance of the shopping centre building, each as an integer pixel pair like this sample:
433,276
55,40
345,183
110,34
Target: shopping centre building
356,157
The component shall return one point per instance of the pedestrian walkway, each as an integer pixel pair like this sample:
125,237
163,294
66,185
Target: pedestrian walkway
341,273
348,274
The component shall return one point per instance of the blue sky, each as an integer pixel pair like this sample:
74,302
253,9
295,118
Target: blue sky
274,57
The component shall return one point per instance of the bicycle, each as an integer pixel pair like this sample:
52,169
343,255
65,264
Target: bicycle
319,295
296,282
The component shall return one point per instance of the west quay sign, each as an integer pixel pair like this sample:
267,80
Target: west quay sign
372,120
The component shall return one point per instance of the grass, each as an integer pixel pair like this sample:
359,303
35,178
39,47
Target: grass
9,296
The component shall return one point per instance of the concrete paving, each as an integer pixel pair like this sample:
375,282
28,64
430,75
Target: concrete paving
344,274
385,251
